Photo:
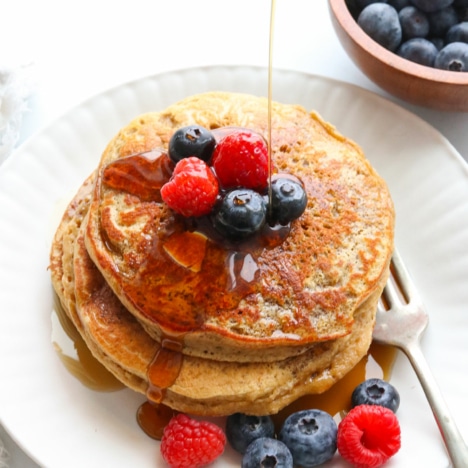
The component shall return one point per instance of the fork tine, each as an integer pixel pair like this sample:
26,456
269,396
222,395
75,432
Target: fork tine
397,290
390,294
402,278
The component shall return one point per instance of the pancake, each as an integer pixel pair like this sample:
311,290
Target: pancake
255,302
203,386
63,245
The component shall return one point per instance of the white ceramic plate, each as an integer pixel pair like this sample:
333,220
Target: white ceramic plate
60,422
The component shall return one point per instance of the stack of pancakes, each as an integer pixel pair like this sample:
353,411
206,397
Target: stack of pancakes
253,326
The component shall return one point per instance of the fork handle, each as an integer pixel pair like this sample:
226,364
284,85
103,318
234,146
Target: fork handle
453,439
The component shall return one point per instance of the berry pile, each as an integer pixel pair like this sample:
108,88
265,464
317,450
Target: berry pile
227,180
366,437
432,33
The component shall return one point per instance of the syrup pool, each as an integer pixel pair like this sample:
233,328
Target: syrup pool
75,355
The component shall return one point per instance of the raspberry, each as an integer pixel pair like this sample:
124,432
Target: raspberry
192,189
368,436
188,443
240,159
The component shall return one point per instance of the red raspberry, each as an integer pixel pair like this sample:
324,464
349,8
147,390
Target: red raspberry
188,443
240,159
192,189
368,436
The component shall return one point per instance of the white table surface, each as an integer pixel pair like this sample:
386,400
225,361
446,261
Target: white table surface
80,49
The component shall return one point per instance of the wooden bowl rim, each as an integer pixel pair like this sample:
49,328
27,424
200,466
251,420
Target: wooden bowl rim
379,53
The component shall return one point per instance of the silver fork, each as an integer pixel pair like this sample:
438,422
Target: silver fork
401,321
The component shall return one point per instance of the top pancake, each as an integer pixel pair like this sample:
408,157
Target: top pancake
277,298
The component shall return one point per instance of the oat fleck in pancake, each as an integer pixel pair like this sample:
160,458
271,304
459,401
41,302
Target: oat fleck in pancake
260,323
305,289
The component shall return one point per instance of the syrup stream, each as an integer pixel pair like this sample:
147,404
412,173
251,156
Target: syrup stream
270,88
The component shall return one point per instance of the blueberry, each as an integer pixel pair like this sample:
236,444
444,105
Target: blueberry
266,452
462,13
453,57
380,21
441,21
242,429
399,4
311,436
361,4
437,41
414,22
458,33
419,50
241,213
431,5
288,200
376,392
192,140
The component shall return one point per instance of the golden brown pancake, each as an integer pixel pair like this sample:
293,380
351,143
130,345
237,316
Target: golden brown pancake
203,386
298,292
256,324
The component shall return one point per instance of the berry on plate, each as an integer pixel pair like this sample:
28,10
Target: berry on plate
376,392
192,140
192,189
188,443
242,429
310,435
368,436
240,159
267,452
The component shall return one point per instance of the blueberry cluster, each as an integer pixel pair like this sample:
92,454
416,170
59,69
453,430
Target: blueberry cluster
307,438
433,33
243,212
244,205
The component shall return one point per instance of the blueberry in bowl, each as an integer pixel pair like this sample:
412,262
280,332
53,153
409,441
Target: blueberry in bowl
422,72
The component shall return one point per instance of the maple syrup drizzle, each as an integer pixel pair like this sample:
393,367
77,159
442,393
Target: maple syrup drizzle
127,173
153,418
164,368
153,415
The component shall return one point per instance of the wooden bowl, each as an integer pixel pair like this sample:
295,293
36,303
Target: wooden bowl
414,83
